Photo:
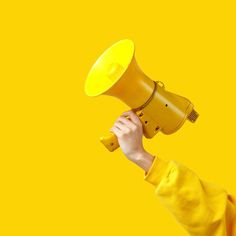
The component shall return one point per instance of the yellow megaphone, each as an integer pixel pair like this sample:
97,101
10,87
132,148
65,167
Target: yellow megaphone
116,73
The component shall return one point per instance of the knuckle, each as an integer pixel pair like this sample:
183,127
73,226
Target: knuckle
125,132
139,123
133,129
128,131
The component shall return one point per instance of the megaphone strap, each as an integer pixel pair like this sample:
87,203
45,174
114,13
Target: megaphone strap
150,98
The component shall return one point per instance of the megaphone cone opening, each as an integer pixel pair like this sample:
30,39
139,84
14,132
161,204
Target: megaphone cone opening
109,67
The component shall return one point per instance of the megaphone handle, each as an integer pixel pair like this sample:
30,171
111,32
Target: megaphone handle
110,142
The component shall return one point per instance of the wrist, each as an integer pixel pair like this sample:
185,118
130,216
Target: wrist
144,160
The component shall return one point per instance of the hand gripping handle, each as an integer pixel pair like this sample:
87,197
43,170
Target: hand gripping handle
111,141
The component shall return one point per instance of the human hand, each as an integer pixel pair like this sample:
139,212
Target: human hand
129,134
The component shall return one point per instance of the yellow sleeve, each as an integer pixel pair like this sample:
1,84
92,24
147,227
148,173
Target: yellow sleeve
202,208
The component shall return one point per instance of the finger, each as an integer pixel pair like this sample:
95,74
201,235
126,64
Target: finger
132,116
121,126
127,122
116,131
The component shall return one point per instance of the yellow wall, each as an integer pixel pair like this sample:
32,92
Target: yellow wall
56,177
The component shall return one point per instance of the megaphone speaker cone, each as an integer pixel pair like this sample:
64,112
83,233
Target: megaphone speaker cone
109,67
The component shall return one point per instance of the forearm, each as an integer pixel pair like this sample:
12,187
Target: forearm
143,159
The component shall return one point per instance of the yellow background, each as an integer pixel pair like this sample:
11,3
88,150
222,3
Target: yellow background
56,177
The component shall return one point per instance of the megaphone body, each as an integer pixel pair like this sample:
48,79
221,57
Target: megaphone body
116,73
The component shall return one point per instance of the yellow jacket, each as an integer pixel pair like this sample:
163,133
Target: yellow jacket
202,208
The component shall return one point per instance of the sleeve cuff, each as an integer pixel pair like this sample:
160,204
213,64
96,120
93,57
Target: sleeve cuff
156,171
